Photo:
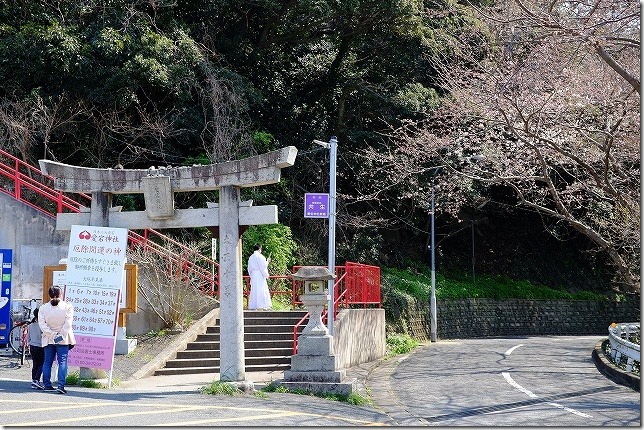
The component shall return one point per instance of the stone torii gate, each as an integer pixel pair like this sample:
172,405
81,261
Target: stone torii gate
158,186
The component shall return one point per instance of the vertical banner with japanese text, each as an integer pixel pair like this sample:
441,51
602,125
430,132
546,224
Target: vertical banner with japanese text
95,267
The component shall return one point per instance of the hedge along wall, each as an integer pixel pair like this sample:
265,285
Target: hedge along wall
467,318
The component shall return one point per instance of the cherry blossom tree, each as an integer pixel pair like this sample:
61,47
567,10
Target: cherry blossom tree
546,95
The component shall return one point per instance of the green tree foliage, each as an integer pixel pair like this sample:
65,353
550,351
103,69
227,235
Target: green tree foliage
351,69
277,243
123,83
138,83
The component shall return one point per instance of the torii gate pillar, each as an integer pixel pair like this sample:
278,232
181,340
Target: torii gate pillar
232,297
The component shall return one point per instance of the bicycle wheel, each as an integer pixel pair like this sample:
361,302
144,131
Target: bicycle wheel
15,339
19,340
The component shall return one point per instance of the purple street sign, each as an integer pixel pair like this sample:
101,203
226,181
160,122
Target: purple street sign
316,205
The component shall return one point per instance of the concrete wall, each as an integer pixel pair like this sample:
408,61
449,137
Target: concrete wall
143,321
467,318
359,336
35,242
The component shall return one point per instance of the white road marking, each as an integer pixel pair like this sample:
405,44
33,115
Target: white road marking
572,411
156,409
512,382
509,351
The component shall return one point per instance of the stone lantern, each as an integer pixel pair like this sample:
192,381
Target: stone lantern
315,297
313,368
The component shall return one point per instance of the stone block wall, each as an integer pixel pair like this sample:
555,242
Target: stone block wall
467,318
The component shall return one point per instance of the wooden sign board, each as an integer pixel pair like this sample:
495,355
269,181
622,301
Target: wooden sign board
131,272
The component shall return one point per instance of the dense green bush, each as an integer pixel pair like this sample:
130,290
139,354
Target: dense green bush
416,282
400,344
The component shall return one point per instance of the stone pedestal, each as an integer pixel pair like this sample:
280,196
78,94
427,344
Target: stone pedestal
124,346
314,367
314,361
88,373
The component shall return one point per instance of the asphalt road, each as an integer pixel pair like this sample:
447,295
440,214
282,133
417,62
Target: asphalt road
533,381
96,408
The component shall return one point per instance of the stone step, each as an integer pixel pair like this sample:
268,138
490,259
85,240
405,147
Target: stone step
275,314
214,362
249,345
265,328
200,369
250,322
214,353
214,337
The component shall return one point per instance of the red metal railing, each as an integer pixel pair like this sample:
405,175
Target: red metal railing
356,284
28,185
362,284
187,260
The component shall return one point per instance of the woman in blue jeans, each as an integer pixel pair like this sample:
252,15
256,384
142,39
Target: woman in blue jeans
55,320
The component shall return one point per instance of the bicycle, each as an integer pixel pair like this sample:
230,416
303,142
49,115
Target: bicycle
19,334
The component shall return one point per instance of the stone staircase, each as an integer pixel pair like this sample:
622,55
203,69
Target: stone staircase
268,345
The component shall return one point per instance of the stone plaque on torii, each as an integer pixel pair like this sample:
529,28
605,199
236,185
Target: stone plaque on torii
158,186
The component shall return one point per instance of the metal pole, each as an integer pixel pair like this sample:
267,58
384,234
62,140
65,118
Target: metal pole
333,148
473,255
433,294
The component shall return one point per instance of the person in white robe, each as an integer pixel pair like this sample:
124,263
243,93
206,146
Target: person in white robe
260,297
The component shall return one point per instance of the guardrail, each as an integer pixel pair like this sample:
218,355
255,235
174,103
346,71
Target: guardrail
620,336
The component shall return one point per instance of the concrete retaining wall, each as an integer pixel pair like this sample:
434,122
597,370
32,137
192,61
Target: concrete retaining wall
467,318
35,242
359,336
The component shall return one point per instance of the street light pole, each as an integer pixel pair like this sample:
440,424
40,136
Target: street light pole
473,255
332,146
432,300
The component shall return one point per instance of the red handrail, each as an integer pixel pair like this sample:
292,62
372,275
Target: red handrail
24,177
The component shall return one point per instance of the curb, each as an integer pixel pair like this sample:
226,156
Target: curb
613,372
180,343
378,382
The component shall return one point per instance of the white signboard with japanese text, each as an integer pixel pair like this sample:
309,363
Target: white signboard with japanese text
94,277
58,277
